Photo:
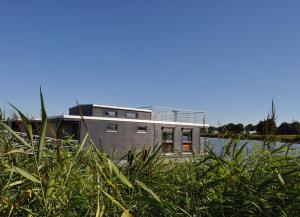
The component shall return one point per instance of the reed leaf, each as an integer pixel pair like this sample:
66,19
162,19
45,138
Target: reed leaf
81,145
119,174
143,186
26,123
14,151
43,128
25,174
12,132
118,204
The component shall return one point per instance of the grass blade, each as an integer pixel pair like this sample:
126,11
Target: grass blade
26,123
19,150
119,174
43,128
12,132
143,186
114,201
25,174
81,145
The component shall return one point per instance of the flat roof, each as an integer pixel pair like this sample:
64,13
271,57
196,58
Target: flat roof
76,117
114,107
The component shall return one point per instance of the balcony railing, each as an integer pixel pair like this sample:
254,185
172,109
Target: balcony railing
176,115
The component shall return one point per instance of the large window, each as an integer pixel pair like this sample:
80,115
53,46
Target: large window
112,128
187,140
110,113
167,140
131,115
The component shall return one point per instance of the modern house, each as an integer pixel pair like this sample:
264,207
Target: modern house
118,129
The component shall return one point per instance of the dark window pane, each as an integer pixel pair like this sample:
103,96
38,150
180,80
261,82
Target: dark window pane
142,129
187,140
167,140
186,135
168,148
168,134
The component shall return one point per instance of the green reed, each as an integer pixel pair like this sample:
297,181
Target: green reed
41,179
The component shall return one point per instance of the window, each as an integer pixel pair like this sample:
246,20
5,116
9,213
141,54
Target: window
187,140
167,140
131,115
186,135
112,128
168,135
110,113
141,129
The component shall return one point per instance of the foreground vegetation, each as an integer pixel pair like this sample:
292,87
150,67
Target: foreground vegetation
47,180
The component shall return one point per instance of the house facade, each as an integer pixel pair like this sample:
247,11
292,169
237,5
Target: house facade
118,129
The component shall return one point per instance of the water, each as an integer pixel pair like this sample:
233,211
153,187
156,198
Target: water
218,143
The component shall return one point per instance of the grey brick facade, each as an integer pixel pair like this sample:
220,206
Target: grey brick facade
115,131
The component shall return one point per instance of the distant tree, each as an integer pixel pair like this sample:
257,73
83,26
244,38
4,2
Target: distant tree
212,129
233,128
284,128
289,128
228,127
266,127
250,127
239,128
260,127
295,127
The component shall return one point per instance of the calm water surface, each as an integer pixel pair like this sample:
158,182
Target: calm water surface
217,143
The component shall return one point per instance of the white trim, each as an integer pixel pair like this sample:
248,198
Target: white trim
114,107
187,153
20,119
127,120
111,131
122,108
169,154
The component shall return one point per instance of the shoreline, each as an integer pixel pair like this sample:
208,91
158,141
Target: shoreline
278,138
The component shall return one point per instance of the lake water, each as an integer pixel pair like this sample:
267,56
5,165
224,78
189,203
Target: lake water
218,143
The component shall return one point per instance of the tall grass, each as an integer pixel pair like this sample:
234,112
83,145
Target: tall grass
39,179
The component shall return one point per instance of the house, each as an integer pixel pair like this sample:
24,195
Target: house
118,129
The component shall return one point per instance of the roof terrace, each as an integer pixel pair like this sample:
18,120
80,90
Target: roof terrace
176,115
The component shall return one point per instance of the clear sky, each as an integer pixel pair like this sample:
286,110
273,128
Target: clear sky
229,58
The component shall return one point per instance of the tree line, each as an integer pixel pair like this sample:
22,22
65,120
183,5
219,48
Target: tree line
266,127
269,125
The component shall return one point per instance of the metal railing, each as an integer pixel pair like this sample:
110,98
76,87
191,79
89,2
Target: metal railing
176,115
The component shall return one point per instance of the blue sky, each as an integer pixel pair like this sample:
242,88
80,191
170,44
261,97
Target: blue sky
229,58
